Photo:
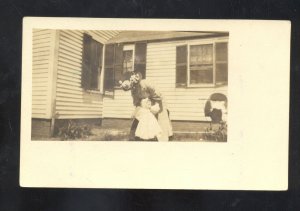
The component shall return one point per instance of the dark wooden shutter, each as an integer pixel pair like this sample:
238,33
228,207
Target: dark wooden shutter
181,66
140,58
96,58
86,62
221,63
109,68
118,64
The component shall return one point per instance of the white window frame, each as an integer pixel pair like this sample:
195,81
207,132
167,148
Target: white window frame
102,75
204,42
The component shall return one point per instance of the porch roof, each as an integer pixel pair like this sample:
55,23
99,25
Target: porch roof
135,36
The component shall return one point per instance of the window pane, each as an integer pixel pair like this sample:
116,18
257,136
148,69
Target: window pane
201,54
201,64
201,74
127,61
221,52
221,73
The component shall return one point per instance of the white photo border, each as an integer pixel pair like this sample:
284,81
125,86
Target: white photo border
255,157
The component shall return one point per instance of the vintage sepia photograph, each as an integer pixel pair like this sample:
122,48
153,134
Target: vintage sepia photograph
155,103
129,85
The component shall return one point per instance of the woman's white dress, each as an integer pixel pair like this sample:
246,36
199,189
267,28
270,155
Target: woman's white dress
148,127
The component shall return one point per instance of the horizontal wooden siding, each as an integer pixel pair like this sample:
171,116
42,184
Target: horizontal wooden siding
42,47
183,103
72,102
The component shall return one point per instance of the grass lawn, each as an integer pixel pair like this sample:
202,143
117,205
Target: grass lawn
119,131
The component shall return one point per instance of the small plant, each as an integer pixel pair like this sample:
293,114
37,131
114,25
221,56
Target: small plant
219,134
73,131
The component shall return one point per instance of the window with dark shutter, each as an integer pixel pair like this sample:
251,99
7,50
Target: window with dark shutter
140,58
181,66
109,68
91,63
203,64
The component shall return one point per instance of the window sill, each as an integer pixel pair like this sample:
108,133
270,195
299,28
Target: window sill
93,91
120,89
200,86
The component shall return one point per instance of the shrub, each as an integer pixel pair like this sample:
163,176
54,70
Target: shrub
219,134
73,131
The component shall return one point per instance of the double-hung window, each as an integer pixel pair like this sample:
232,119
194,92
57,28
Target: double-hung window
202,64
120,61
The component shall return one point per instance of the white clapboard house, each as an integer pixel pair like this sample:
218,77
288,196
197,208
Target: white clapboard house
76,73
